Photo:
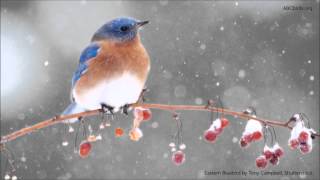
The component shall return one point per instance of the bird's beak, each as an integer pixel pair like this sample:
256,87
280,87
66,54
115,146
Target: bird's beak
142,23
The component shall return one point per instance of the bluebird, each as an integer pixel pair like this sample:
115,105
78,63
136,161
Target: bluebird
112,69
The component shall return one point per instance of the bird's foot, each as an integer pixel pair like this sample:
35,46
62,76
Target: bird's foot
107,109
125,109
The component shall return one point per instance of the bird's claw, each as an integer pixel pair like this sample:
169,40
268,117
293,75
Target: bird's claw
125,109
107,109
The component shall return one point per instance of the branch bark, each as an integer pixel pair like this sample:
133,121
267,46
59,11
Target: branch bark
172,108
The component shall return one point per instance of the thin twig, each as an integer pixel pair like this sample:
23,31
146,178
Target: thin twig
171,108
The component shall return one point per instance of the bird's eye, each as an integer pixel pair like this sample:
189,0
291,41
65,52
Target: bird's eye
124,28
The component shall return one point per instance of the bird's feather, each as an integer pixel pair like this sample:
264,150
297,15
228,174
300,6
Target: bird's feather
88,53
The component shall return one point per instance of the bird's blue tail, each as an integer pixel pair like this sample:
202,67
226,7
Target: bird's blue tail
72,109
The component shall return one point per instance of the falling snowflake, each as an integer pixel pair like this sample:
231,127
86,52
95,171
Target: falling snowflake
234,139
155,125
311,93
221,28
23,159
198,101
203,46
242,74
46,63
311,78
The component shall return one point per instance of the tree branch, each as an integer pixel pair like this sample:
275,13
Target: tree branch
171,108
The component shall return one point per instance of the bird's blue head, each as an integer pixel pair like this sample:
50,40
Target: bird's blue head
120,30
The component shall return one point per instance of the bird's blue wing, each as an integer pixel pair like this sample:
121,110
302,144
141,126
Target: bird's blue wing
88,53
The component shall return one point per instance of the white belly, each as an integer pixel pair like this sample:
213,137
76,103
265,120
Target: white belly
118,92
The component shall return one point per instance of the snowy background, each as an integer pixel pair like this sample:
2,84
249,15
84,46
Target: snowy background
247,52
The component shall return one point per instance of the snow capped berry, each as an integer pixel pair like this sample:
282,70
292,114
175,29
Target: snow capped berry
261,162
146,113
257,135
253,126
215,129
303,136
305,148
294,143
210,135
243,143
274,160
135,134
267,152
248,138
278,151
85,148
252,132
224,122
142,113
178,158
172,144
216,124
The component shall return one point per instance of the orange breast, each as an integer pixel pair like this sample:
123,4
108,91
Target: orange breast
112,61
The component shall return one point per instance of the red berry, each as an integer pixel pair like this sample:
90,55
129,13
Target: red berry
279,152
268,154
248,138
256,135
294,143
146,114
274,160
178,158
210,135
243,143
303,137
304,148
224,122
261,162
85,148
118,132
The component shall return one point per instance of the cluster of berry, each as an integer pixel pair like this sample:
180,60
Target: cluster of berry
143,114
301,137
215,129
178,156
252,132
270,154
140,114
